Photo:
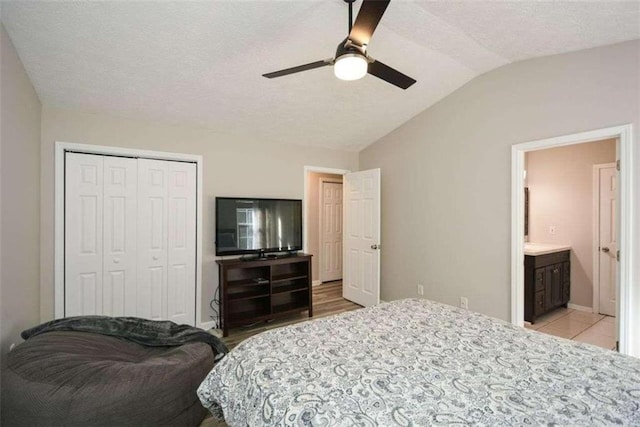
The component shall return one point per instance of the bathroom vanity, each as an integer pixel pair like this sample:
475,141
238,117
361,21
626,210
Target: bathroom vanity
547,279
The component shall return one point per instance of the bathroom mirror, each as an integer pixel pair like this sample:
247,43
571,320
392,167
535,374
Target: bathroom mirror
526,211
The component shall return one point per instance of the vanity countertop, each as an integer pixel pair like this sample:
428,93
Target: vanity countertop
535,249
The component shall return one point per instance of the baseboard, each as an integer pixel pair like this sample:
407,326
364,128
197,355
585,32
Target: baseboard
580,307
207,325
216,332
316,283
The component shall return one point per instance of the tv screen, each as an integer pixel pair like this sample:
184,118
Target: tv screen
245,226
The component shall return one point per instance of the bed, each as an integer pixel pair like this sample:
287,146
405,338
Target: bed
417,362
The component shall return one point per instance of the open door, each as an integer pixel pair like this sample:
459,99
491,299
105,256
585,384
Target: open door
607,245
361,266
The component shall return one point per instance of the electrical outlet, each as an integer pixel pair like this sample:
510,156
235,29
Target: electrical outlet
464,302
420,289
552,229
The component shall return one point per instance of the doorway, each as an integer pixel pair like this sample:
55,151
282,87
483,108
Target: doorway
623,219
320,223
330,228
560,254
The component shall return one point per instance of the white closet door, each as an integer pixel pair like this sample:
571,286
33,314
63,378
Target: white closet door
120,217
151,300
181,243
83,234
130,237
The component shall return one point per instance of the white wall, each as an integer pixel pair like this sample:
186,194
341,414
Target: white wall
446,174
232,167
20,198
560,182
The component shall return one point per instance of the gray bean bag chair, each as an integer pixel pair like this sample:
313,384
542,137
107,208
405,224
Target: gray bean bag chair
68,378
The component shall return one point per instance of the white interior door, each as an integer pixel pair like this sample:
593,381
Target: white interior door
331,231
83,273
607,240
361,281
181,245
120,217
153,186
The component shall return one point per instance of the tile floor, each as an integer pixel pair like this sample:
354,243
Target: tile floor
575,325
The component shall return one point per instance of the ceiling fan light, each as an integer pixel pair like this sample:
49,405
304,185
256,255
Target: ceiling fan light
350,66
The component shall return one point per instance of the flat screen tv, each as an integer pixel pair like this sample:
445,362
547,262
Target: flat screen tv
257,226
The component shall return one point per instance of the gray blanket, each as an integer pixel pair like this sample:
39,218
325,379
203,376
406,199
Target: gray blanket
152,333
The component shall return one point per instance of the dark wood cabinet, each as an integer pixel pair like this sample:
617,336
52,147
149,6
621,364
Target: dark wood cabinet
547,283
263,289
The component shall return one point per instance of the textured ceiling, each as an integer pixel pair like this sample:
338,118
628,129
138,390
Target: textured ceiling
201,62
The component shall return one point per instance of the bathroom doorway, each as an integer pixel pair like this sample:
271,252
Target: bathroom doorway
568,294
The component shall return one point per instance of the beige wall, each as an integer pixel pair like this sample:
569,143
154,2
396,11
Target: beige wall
560,182
232,167
446,174
20,196
313,217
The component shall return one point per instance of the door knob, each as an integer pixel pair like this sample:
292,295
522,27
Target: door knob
116,260
155,258
605,249
375,247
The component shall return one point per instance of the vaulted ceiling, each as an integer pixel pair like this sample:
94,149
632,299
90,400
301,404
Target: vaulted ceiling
201,62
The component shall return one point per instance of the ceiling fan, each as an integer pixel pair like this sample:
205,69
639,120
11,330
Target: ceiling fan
351,61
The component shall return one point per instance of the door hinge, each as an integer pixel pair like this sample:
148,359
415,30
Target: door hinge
618,346
618,255
618,165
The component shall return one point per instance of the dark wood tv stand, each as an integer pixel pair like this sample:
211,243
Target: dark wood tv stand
263,289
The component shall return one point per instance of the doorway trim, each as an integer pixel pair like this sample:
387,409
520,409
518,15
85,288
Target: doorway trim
626,310
59,168
596,233
305,202
321,217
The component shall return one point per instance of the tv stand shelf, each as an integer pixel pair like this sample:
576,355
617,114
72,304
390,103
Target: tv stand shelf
263,289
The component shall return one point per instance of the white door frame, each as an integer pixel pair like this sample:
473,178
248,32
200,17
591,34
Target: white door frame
60,149
626,292
305,203
596,233
321,217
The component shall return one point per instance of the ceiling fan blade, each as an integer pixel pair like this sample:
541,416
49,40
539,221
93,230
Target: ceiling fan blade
388,74
367,20
298,69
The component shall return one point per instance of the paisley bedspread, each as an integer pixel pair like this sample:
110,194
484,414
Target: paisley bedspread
417,362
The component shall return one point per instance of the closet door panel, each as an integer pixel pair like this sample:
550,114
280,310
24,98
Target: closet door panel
181,242
152,239
120,224
83,234
151,300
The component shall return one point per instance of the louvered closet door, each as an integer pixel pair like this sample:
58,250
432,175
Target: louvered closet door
83,234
